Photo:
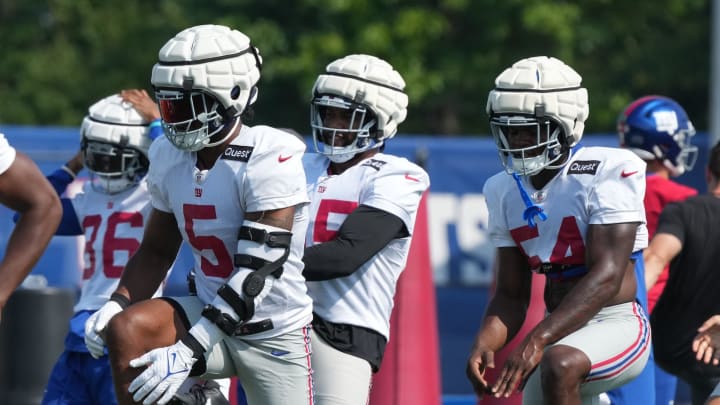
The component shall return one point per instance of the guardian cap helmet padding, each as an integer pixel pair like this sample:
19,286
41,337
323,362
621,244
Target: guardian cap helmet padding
204,80
372,91
543,94
115,142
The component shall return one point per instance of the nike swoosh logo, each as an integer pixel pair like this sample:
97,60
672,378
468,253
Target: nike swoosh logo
411,178
282,158
627,174
278,353
172,359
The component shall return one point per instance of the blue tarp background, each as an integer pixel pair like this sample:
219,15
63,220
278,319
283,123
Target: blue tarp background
461,256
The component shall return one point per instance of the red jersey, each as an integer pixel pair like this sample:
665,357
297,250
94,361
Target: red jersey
659,192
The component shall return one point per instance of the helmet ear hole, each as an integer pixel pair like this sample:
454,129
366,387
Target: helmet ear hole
235,93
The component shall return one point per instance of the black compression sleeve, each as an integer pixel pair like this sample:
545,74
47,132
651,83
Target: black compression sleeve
365,232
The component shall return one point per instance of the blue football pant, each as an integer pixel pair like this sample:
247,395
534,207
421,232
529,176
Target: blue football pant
79,379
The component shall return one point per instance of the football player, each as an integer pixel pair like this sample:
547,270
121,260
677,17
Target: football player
110,212
237,195
362,214
576,217
658,130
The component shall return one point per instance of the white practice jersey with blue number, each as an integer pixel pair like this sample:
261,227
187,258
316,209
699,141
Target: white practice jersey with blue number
113,225
7,154
597,186
385,182
260,170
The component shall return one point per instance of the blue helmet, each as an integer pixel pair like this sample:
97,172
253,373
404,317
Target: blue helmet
658,128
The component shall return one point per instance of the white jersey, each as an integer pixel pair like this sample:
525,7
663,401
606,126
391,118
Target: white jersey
7,154
260,170
113,226
597,186
386,182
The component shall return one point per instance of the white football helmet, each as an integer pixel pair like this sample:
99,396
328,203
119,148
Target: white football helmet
368,90
541,94
115,142
204,80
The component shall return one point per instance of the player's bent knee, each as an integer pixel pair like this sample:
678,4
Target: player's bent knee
148,324
563,365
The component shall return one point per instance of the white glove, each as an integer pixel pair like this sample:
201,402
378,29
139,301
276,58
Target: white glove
167,368
96,324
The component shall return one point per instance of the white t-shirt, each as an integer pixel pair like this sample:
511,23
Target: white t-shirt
260,170
597,186
385,182
113,226
7,154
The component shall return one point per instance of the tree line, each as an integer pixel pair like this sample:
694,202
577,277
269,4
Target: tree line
60,56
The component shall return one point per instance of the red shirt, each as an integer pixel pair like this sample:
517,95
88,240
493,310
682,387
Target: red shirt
658,193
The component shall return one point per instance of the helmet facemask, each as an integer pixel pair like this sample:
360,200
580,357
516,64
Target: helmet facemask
191,118
522,152
342,128
113,168
687,157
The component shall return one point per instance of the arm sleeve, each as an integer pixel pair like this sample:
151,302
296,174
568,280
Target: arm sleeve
365,232
155,129
671,221
69,223
60,180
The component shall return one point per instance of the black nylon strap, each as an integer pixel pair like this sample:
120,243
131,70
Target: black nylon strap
272,239
252,286
200,365
251,262
122,300
223,321
190,341
244,310
233,328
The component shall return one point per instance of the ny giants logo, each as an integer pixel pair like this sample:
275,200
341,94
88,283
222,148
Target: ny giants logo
584,167
238,153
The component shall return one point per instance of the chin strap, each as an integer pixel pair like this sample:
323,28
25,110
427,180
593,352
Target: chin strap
531,210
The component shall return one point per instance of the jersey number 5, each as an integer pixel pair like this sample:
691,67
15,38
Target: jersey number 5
321,233
201,243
